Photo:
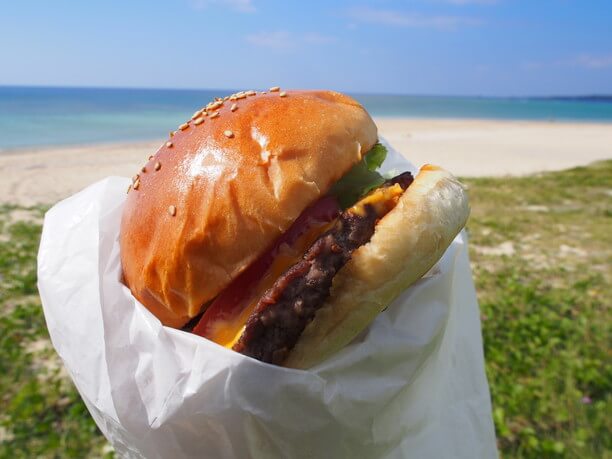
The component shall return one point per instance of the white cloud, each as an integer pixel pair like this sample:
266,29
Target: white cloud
594,62
241,6
283,40
407,19
317,39
277,40
588,61
532,65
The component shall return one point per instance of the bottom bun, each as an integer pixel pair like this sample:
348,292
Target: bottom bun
407,242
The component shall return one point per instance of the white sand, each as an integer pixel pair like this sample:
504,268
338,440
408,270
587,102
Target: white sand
473,148
465,147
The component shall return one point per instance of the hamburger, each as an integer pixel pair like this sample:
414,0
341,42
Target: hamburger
263,225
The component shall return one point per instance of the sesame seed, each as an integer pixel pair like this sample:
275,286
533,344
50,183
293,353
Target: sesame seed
171,133
234,107
136,177
157,166
183,126
241,96
169,144
196,114
265,157
144,169
172,210
283,94
136,184
233,97
214,115
151,157
275,89
229,134
226,98
218,99
129,188
198,121
250,93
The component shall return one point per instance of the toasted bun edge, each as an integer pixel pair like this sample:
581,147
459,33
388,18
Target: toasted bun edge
406,244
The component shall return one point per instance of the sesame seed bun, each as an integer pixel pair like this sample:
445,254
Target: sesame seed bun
226,185
406,243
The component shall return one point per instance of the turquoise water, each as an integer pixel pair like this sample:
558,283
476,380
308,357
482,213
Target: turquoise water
57,116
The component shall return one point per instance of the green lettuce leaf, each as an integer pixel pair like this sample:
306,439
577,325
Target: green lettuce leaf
376,156
362,178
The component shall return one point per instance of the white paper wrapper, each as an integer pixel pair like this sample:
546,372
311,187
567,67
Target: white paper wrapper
412,385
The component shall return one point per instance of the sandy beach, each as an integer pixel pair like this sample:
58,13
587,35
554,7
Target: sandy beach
469,148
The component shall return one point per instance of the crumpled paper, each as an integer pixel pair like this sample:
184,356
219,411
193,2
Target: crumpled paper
412,385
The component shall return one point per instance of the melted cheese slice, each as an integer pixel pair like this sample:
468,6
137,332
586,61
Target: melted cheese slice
228,332
382,199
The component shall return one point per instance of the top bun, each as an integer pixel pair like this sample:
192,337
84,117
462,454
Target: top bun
216,196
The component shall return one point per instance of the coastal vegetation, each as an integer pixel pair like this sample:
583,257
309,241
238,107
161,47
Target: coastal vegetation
541,250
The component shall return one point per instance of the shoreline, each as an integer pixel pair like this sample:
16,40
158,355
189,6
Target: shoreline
380,118
466,147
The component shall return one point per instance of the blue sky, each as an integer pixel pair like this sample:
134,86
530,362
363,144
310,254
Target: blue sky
483,47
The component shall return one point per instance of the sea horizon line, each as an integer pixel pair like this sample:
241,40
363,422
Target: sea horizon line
574,97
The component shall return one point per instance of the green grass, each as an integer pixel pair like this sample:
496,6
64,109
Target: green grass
541,249
42,414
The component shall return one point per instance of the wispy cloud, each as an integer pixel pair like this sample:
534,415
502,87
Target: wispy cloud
587,61
594,62
409,19
318,39
279,39
283,40
241,6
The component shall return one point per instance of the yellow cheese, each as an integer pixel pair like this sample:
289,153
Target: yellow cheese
228,332
382,199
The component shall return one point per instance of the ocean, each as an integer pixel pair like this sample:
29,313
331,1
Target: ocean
37,116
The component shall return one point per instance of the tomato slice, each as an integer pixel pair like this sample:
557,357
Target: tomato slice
234,298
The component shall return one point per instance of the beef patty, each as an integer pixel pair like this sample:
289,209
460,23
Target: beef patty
290,304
